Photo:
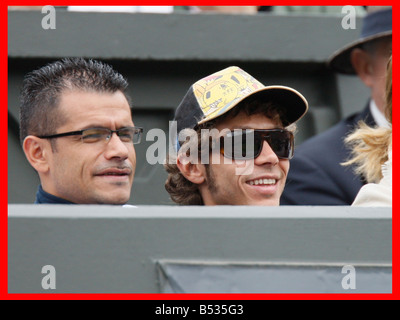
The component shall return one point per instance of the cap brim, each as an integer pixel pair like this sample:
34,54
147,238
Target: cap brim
294,103
340,60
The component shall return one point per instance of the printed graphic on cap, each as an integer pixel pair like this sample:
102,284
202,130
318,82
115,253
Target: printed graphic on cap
217,92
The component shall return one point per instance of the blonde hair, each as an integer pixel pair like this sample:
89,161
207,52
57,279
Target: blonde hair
370,145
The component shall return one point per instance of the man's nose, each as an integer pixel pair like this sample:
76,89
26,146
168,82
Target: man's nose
267,156
116,148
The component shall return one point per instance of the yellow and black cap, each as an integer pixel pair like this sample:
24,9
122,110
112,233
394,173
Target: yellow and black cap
216,94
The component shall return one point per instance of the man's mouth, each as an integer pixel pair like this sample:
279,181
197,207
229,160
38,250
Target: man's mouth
261,182
114,173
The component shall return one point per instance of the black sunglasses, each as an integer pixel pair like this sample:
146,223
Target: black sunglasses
91,135
234,145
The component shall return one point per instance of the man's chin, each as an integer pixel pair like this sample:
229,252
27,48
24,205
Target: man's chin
117,198
264,202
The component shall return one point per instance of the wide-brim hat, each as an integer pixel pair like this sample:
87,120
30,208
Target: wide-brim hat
376,24
216,94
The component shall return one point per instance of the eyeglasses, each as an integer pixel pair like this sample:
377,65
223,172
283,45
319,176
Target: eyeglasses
92,135
234,144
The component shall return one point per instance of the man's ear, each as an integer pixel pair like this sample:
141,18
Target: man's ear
362,64
36,151
193,172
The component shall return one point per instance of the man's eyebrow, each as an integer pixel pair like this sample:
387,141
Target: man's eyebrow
238,127
90,126
278,126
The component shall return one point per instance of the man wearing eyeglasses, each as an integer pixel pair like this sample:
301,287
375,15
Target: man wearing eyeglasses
245,160
77,132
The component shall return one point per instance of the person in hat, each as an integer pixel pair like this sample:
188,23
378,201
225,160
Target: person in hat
317,176
70,110
235,141
372,156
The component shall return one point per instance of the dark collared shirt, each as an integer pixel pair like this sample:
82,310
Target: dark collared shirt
44,197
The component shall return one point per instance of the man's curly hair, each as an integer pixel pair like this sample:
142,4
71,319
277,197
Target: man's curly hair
185,192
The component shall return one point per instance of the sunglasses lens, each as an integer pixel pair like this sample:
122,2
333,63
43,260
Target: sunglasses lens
247,144
281,142
239,145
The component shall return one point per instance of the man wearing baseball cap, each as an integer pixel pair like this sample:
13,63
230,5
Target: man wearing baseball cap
317,176
252,127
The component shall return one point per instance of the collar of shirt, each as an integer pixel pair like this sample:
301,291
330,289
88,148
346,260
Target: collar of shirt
44,197
378,116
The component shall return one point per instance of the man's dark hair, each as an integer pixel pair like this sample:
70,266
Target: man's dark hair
42,89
